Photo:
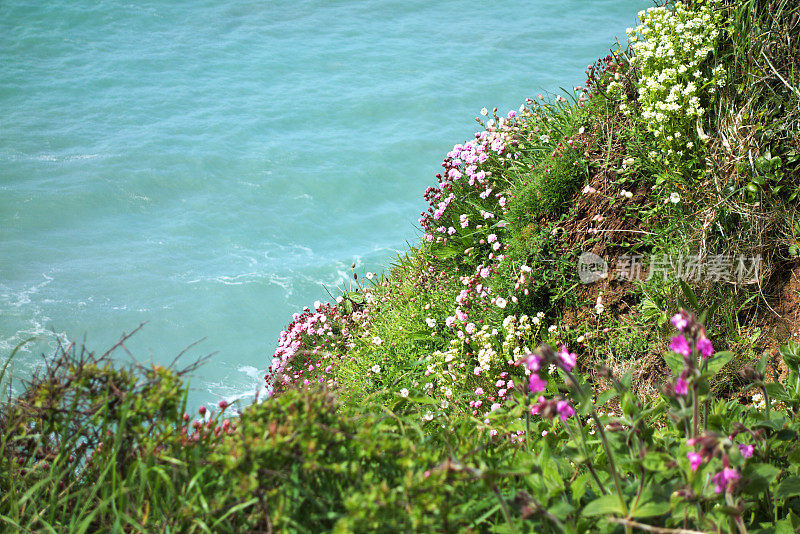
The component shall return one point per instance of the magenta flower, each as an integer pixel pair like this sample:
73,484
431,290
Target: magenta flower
565,410
537,384
679,322
724,478
479,391
705,347
695,459
746,450
568,359
533,362
680,346
223,404
681,386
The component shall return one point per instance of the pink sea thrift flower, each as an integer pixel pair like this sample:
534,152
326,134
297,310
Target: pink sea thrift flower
746,450
724,479
680,346
695,459
479,391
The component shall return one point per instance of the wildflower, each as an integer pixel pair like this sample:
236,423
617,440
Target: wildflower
681,386
430,322
695,459
705,347
376,340
491,238
478,391
501,302
202,411
680,346
317,304
370,276
470,328
404,392
552,328
746,450
724,479
485,112
376,369
495,407
537,384
568,359
450,322
223,404
674,198
427,417
680,321
565,410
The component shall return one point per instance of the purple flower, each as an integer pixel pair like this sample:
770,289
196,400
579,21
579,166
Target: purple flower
567,358
705,347
679,322
681,386
746,450
724,478
680,346
533,362
695,459
565,410
537,384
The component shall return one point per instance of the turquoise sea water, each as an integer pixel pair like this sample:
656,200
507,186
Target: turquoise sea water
211,167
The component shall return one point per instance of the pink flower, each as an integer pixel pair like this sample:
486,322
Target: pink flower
705,347
470,328
479,391
565,410
724,478
695,459
533,362
223,404
681,386
746,450
567,358
537,384
679,322
680,346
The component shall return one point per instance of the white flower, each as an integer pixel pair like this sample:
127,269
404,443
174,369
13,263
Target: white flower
525,268
339,299
581,130
377,340
404,392
501,302
370,276
552,328
674,198
430,322
485,112
317,304
376,369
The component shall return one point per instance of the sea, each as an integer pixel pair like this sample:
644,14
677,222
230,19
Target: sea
208,168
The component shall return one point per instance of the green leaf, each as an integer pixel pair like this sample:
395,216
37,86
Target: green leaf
607,504
674,361
605,396
777,391
719,360
690,296
789,487
759,476
651,509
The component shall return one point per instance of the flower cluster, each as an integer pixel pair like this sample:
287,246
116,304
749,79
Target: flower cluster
676,82
696,344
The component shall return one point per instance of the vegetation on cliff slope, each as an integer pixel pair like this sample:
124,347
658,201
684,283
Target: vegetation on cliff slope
595,334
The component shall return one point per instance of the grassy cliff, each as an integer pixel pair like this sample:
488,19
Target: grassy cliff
595,333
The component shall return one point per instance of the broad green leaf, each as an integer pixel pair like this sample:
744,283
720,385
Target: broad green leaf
607,504
651,509
719,360
789,487
674,361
